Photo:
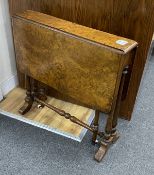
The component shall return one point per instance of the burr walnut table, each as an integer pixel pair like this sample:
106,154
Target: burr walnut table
85,64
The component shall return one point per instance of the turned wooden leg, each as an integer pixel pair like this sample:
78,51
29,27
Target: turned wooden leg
29,98
95,126
119,98
34,87
41,95
108,139
111,134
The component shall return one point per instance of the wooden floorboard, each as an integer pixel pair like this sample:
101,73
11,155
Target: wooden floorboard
46,118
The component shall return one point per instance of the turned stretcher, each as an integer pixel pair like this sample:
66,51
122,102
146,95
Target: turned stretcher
85,64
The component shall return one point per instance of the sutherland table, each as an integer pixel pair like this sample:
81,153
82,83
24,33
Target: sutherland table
87,65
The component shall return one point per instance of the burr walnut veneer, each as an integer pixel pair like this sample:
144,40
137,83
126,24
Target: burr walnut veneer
85,64
80,62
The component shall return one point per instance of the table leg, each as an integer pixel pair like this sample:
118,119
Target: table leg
111,134
29,98
95,126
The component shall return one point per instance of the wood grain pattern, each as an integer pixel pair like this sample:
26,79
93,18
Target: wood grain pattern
45,116
90,34
78,68
130,19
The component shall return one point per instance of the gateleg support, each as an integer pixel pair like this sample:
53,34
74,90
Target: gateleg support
111,135
95,125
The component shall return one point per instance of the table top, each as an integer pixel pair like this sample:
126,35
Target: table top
117,43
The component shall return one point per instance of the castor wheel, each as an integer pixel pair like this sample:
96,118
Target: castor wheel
39,106
94,142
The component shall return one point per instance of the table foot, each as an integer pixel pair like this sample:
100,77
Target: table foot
105,145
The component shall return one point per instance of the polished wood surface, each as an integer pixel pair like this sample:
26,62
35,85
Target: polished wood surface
47,118
86,71
131,19
118,43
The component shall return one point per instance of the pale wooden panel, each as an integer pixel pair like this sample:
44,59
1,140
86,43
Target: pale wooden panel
46,118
